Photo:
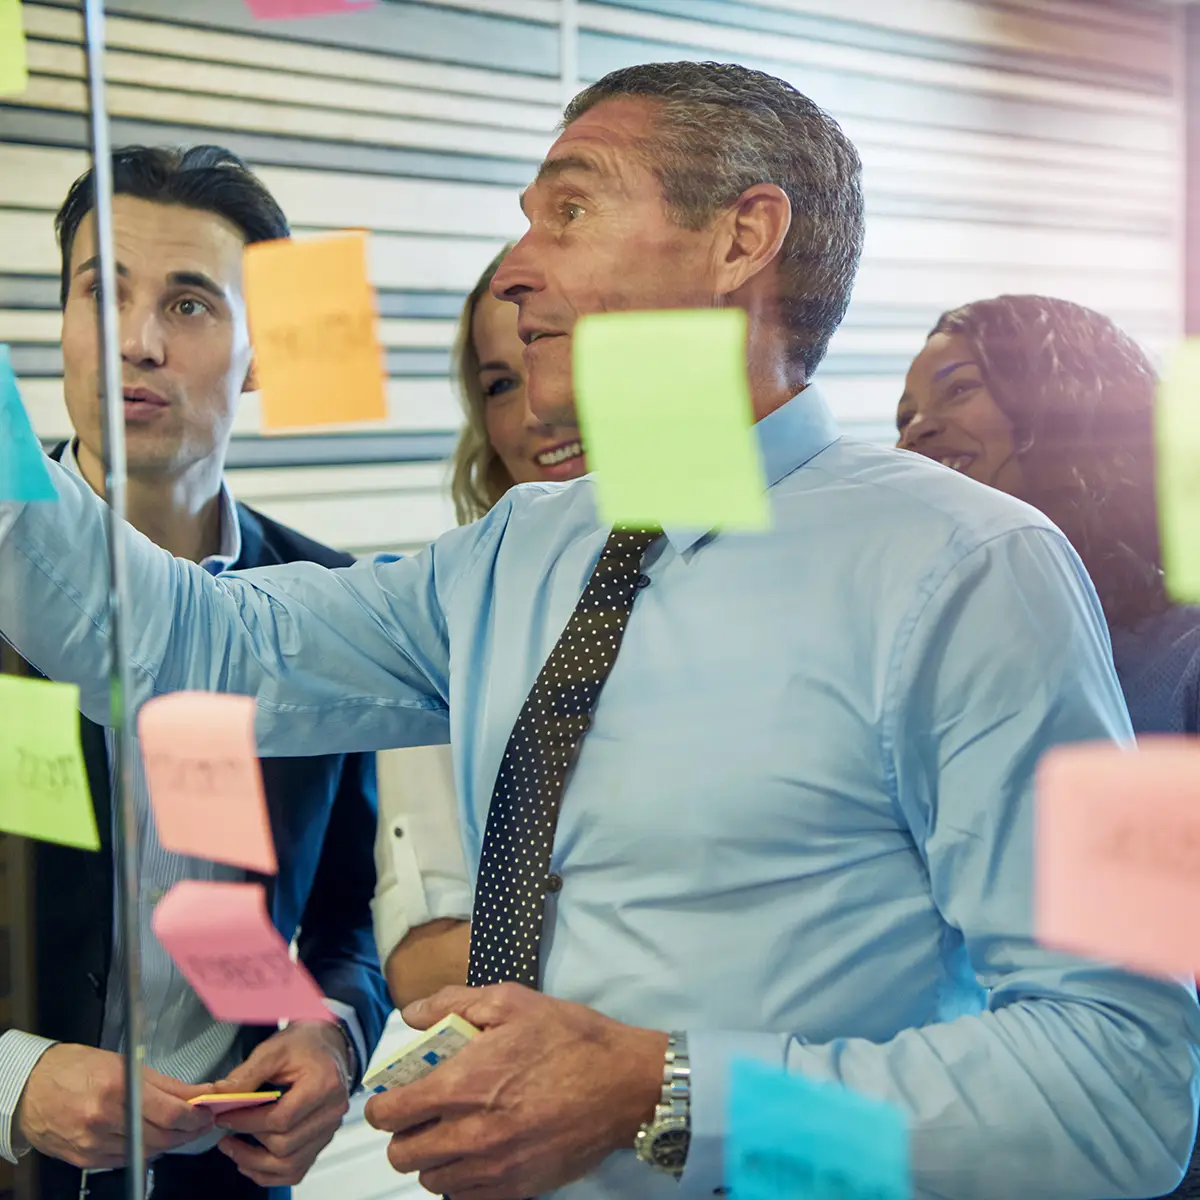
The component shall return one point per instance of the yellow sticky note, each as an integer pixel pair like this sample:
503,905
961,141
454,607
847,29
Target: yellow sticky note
313,323
1177,468
14,75
664,406
43,783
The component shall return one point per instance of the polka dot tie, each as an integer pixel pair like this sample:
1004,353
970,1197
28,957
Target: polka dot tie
510,894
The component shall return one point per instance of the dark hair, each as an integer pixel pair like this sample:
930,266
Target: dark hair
1080,395
722,128
208,178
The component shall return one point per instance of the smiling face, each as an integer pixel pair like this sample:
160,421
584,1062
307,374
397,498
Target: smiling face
185,345
529,449
600,239
948,414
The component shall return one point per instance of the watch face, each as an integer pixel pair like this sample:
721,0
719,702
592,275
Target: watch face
671,1148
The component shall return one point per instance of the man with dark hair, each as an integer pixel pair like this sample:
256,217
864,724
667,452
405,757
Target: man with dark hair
182,219
722,796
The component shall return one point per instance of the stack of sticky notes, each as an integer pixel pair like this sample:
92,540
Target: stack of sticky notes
432,1048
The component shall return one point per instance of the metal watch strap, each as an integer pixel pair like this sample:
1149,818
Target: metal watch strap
659,1140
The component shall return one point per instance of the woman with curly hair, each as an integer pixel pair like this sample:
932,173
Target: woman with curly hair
1052,403
502,442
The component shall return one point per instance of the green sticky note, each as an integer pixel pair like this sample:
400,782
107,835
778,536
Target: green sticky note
14,74
43,782
664,408
23,474
1177,470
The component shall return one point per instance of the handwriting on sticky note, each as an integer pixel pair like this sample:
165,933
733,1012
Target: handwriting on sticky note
1118,853
314,326
44,791
205,780
265,10
23,471
221,939
792,1136
1177,471
664,406
14,72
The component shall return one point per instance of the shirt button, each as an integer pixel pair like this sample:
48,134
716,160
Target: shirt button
398,831
642,581
554,883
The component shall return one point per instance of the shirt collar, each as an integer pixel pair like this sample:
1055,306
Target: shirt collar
231,530
787,438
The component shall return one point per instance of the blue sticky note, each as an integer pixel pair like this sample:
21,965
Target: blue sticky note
23,474
807,1140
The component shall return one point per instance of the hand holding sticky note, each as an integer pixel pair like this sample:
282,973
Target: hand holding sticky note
1177,471
664,407
223,1102
23,473
204,778
223,942
800,1138
14,73
1118,853
313,323
43,782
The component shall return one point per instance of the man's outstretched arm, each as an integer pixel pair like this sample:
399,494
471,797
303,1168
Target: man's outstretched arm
337,660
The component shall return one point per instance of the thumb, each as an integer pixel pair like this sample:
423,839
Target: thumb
254,1072
483,1007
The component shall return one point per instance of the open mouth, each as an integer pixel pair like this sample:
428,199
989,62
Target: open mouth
557,455
956,462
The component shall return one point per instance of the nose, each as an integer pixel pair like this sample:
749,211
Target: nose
919,430
520,273
533,423
142,340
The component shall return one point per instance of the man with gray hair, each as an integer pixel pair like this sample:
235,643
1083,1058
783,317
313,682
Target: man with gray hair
723,796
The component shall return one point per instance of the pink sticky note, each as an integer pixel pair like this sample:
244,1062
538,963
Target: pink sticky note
221,939
205,780
1118,853
265,10
232,1101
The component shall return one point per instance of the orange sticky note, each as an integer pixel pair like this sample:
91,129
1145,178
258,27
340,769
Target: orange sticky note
221,939
1118,853
205,779
313,323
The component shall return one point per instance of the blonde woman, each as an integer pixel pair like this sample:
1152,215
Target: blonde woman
423,898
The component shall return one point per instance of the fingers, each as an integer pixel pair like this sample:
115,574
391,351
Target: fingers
263,1063
169,1113
403,1109
269,1169
175,1087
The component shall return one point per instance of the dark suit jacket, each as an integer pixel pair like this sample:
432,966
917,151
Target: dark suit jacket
323,813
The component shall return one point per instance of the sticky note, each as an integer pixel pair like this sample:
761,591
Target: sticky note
1177,471
23,473
314,327
426,1051
223,942
222,1102
14,74
205,780
797,1137
268,9
664,406
44,791
1117,853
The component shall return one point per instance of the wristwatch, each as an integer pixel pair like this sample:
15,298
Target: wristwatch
663,1142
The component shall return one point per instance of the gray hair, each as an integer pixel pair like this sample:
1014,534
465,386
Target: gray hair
722,128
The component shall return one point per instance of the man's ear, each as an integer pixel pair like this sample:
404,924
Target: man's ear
755,228
250,383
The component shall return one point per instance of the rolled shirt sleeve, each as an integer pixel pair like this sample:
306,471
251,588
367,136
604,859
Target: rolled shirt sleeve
19,1054
1077,1080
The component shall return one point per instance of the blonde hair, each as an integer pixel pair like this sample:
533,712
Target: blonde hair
479,478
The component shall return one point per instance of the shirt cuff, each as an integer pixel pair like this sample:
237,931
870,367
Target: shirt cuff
348,1017
19,1054
710,1055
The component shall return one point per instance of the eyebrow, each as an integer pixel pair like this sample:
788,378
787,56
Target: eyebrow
950,368
558,166
192,279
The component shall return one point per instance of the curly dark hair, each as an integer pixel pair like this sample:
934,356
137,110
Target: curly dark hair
1080,395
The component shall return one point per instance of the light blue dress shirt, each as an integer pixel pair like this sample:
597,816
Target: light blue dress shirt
800,827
